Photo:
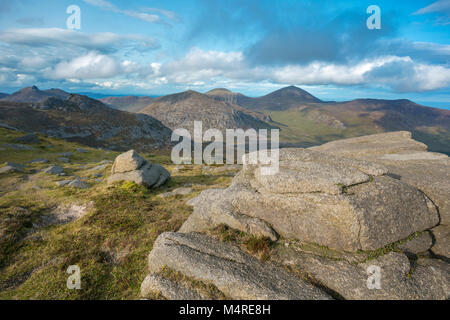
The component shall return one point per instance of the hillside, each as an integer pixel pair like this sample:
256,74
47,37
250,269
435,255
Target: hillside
111,234
88,121
33,94
305,120
3,95
182,109
127,103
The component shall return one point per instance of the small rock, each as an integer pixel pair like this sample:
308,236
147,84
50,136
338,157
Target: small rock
77,183
128,161
63,183
54,170
64,160
11,167
99,167
81,150
178,191
130,166
20,147
29,138
39,161
66,154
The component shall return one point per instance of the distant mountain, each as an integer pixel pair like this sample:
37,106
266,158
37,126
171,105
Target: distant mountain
128,103
182,109
33,94
85,120
2,95
283,99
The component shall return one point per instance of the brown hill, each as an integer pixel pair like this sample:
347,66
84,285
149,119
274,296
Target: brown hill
182,109
88,121
128,103
283,99
33,94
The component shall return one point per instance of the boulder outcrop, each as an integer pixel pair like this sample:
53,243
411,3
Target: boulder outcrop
130,166
338,216
236,274
345,204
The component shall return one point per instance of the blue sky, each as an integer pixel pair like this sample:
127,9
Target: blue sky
251,46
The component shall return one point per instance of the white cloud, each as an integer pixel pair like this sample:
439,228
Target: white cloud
438,6
152,18
90,66
105,41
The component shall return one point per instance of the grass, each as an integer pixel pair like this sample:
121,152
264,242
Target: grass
110,243
257,246
207,290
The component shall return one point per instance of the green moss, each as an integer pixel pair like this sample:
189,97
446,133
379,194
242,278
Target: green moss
208,290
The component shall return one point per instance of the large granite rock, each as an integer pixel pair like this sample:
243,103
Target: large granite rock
408,161
129,166
345,204
369,147
236,274
400,279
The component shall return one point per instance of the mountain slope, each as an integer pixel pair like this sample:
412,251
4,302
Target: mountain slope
127,103
283,99
33,94
3,95
182,109
318,123
88,121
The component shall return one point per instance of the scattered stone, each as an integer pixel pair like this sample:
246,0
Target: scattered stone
130,166
64,160
29,138
66,213
20,147
57,170
236,274
39,161
66,154
4,125
78,184
63,183
179,191
99,167
81,150
11,167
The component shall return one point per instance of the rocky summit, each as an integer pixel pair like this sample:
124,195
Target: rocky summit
333,214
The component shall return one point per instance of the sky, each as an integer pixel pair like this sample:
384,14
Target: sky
254,47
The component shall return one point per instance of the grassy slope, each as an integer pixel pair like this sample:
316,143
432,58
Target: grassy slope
110,243
296,128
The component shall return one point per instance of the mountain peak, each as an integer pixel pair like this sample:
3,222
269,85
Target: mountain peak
219,91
